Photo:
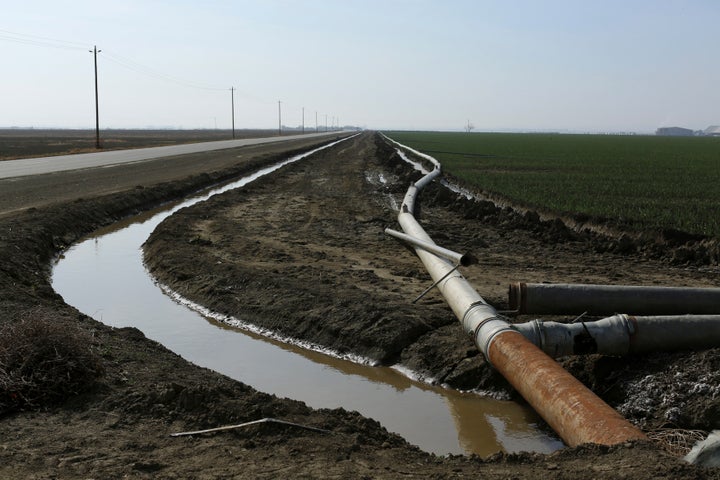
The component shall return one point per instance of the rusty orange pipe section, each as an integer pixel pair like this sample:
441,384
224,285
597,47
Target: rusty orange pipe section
568,406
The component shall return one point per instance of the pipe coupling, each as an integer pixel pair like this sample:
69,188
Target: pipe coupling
534,331
477,313
483,323
487,332
608,336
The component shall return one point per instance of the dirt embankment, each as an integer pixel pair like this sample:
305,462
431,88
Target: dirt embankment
119,426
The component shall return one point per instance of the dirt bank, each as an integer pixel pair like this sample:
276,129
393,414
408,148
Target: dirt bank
119,426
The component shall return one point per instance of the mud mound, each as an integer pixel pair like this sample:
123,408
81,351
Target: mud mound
44,361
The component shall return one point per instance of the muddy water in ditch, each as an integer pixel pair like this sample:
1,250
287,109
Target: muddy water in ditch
104,277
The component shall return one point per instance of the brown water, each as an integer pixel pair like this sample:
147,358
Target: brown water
104,277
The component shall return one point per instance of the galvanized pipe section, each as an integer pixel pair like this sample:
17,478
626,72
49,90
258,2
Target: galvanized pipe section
624,335
574,299
569,407
478,318
463,259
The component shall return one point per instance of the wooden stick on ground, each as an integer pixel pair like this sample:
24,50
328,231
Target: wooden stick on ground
247,424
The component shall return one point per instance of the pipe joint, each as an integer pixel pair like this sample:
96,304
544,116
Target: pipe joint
609,336
482,322
475,315
487,332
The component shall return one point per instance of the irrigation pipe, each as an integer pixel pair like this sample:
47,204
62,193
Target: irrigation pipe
624,335
574,299
463,259
570,408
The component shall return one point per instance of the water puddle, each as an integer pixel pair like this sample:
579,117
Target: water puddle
104,277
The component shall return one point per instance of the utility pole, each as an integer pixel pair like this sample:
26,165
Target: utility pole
316,128
232,103
279,119
326,122
95,51
303,124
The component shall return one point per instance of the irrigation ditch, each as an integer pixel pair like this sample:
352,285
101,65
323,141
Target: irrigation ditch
98,274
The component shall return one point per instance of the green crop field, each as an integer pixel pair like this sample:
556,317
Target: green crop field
645,181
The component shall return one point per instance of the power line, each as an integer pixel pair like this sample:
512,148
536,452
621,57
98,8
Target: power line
140,68
39,41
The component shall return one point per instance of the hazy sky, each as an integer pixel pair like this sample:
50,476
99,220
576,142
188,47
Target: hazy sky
578,65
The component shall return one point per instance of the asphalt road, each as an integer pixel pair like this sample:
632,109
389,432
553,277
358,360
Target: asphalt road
40,165
24,185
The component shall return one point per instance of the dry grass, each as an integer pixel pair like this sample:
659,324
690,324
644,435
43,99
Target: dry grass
44,362
675,441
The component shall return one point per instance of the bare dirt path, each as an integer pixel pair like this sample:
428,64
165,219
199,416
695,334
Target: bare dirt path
341,268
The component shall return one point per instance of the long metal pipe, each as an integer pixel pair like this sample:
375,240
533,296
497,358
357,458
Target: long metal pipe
464,259
570,408
574,299
624,335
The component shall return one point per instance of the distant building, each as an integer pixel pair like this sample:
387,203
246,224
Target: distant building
674,132
712,131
